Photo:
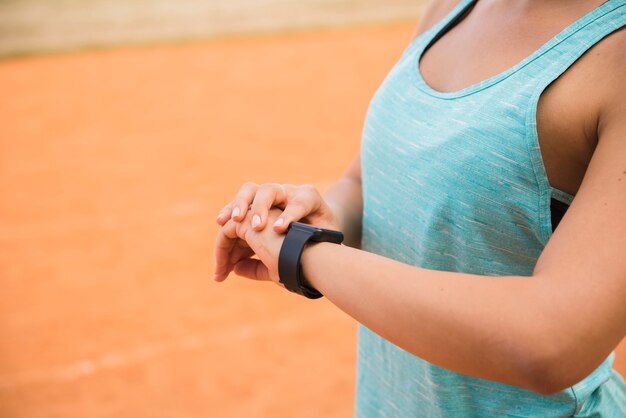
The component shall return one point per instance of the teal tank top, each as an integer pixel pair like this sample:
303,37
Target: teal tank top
455,181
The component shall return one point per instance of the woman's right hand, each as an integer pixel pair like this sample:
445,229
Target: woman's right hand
299,203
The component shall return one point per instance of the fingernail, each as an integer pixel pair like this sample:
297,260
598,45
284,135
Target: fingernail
279,222
256,220
220,216
236,212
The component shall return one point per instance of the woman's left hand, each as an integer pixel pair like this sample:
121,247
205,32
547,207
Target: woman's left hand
237,242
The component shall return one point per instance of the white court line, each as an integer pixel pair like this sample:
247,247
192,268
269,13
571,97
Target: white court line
116,359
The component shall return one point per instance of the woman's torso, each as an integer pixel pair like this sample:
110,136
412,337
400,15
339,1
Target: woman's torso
497,35
456,181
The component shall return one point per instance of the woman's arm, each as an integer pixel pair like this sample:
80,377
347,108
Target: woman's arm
346,201
340,208
545,332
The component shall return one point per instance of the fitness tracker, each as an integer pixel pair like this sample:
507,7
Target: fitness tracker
289,268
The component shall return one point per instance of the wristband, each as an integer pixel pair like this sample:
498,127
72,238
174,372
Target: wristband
289,267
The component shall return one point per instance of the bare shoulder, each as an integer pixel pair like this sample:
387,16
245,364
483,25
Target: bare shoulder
611,51
598,76
434,11
609,62
592,94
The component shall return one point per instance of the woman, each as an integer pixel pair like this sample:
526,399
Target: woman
472,302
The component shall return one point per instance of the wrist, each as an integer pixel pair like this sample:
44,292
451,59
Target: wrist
299,236
315,254
337,215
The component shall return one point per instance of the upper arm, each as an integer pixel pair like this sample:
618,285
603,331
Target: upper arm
354,170
582,270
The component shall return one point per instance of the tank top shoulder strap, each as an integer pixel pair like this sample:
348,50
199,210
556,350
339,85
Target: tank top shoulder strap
441,27
568,46
554,58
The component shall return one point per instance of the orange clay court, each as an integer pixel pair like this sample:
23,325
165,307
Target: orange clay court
113,166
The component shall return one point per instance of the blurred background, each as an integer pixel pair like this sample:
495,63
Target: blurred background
32,26
125,126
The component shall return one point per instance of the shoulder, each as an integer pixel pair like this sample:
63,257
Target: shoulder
607,60
433,12
593,91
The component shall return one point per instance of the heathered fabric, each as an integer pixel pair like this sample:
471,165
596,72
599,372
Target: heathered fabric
455,182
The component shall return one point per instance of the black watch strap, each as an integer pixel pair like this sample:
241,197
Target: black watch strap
289,267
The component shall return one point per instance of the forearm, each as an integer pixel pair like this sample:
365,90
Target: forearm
487,327
345,199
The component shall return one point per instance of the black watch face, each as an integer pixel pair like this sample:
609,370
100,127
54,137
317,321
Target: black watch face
306,228
319,234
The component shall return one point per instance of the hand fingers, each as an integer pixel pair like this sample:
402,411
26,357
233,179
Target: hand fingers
305,200
267,196
252,269
227,262
238,208
224,214
234,249
229,249
223,246
242,201
240,251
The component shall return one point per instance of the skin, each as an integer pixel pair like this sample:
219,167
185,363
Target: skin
545,332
